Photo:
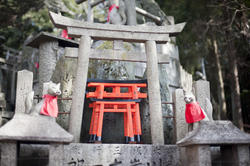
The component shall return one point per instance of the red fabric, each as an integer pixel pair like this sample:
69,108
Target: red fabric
37,65
193,112
49,107
65,34
110,9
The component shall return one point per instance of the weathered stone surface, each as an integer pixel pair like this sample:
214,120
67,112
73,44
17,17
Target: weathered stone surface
64,22
181,126
47,62
65,73
216,132
45,37
78,97
154,94
24,86
9,153
121,154
25,127
198,155
56,154
202,93
122,55
118,35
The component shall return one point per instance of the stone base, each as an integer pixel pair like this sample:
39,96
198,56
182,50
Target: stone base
121,154
9,153
94,154
198,155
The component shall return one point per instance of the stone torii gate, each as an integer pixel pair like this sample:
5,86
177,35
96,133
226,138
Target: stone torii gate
150,35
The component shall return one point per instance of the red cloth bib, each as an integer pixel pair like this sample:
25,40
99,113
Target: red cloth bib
193,112
49,107
110,9
65,34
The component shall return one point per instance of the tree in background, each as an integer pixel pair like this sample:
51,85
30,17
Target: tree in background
219,32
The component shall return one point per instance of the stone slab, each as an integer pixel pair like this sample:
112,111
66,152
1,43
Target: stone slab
121,154
24,86
215,133
56,154
202,94
126,36
76,28
24,127
198,155
181,127
9,154
64,22
121,55
46,37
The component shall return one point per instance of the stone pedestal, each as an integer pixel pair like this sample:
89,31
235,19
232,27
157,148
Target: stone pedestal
56,154
9,152
198,155
234,144
181,127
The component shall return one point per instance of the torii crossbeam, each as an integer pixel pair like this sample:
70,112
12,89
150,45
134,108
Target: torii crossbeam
150,35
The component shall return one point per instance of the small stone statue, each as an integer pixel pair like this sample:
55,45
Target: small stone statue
193,113
48,105
116,14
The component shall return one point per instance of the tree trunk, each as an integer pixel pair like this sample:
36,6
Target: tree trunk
234,82
221,94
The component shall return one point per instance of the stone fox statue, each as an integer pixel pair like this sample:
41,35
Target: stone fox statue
48,105
116,14
193,113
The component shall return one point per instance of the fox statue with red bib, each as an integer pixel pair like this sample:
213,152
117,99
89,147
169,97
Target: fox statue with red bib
193,112
48,105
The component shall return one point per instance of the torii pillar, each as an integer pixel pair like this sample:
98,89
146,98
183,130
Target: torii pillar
150,35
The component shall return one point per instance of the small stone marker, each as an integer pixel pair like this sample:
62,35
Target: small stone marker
24,86
202,93
181,127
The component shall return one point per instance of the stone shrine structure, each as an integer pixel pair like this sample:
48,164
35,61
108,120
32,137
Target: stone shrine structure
48,45
234,144
26,128
148,35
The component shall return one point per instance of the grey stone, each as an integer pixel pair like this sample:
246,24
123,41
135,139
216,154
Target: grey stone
216,132
24,86
154,94
45,37
75,122
116,32
47,62
181,127
121,154
24,127
122,55
202,93
198,155
56,154
9,153
65,73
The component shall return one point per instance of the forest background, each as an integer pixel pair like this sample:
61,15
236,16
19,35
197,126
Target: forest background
215,41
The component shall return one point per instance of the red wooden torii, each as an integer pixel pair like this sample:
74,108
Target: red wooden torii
118,102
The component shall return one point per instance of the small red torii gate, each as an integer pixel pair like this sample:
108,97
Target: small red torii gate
150,35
